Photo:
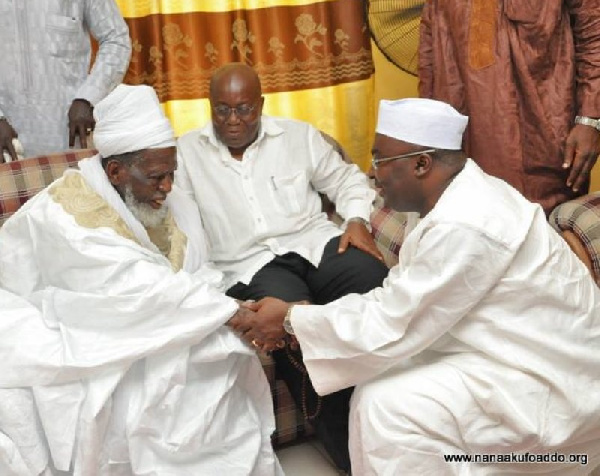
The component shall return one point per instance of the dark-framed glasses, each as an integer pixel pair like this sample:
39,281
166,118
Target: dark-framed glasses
376,161
243,111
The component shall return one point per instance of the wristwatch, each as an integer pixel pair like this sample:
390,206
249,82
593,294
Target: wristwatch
588,121
287,323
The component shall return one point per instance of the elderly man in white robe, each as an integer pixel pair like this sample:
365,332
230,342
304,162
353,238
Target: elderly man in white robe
114,357
479,354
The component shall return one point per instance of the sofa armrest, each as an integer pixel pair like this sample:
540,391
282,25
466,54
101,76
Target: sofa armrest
578,222
21,180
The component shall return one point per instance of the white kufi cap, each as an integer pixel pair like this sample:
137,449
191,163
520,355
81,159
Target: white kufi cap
130,118
423,122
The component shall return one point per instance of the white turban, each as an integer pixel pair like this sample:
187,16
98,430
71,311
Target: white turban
423,122
130,119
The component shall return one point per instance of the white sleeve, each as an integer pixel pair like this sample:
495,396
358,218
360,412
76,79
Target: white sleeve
112,300
105,23
344,184
182,177
358,337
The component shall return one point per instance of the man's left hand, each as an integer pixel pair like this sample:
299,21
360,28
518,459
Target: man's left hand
581,152
357,235
263,329
81,122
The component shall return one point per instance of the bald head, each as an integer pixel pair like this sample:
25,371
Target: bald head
240,74
236,106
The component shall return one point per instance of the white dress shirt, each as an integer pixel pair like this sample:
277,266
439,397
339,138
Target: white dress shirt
267,204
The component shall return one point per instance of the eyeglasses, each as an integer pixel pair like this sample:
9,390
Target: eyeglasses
243,111
376,161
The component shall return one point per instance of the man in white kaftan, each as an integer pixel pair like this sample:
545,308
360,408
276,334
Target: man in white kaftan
482,342
114,359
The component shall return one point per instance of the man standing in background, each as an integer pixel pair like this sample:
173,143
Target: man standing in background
47,91
528,75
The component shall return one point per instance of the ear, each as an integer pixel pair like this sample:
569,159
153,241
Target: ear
116,172
423,165
261,103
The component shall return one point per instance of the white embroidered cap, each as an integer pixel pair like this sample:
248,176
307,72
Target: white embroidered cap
423,122
130,118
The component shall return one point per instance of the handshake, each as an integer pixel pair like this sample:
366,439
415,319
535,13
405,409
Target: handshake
261,323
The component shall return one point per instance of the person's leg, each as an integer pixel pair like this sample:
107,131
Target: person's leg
338,274
406,420
282,278
410,420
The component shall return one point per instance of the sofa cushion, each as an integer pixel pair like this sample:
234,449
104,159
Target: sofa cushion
21,180
388,227
581,216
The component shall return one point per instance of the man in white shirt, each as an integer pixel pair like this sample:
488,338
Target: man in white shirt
483,341
256,181
114,356
47,90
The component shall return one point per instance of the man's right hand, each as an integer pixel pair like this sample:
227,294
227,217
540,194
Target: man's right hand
7,134
263,331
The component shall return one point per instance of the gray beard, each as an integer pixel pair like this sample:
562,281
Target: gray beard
144,213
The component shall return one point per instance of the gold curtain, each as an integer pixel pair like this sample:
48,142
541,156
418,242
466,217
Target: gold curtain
313,58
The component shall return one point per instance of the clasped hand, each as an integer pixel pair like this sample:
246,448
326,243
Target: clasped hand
261,323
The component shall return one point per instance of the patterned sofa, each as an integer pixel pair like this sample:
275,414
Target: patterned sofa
19,181
578,222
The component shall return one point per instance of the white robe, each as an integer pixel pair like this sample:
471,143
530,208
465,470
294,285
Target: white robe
125,365
485,338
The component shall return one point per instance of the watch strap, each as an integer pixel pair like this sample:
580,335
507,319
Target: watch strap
588,121
287,323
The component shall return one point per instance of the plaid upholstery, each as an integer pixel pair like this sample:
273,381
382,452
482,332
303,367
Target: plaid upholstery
388,230
582,217
290,424
21,180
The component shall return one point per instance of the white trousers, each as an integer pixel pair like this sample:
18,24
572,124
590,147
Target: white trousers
404,422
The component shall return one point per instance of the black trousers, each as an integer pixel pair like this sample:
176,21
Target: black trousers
292,278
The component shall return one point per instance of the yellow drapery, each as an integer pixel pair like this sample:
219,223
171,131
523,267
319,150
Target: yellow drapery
313,57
